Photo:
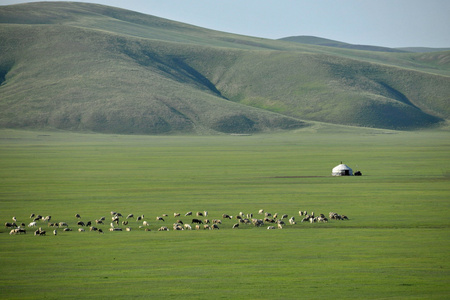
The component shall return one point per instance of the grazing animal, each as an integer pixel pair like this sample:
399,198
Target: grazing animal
81,223
292,221
187,226
14,219
205,213
78,216
199,214
214,226
81,230
271,227
261,211
163,228
32,224
189,213
9,225
67,229
197,221
225,216
145,223
128,229
100,230
55,232
159,219
89,223
61,224
176,214
130,216
32,216
236,226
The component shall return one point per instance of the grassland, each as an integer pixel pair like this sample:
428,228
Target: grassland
394,245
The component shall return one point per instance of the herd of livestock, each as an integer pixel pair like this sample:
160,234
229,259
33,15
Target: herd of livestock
195,221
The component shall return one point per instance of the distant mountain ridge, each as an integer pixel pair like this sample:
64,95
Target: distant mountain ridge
89,67
313,40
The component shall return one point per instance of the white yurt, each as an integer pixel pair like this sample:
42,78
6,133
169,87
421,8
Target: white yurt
342,170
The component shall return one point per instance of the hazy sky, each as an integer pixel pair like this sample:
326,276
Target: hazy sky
390,23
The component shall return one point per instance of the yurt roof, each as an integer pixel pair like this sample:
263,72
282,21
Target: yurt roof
341,167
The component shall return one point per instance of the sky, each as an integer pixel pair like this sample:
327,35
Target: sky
388,23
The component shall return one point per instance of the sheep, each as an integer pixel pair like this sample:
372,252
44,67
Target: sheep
225,216
214,226
285,216
196,221
176,215
55,232
98,222
199,214
124,223
206,227
187,226
159,219
100,230
17,231
9,225
47,218
271,227
267,214
236,226
81,230
163,228
89,223
92,228
261,211
61,224
292,221
14,219
145,223
189,213
32,224
257,222
165,215
205,213
67,229
177,226
128,229
280,226
130,216
322,219
77,216
197,227
207,221
216,221
32,216
81,223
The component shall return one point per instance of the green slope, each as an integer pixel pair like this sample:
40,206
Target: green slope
89,67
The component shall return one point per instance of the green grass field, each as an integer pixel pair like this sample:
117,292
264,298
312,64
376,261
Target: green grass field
395,244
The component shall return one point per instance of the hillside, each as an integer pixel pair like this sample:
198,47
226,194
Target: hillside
312,40
78,66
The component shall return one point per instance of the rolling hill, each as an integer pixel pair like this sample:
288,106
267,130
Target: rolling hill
88,67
